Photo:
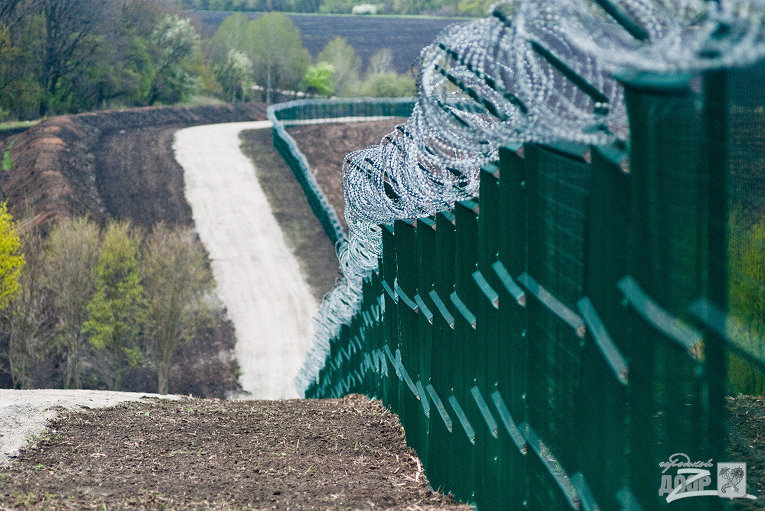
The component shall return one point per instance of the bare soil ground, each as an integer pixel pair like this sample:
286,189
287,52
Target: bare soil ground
211,454
747,444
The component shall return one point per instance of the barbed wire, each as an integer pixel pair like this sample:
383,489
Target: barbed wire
533,71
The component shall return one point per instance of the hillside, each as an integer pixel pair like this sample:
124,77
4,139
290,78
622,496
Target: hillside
107,164
120,165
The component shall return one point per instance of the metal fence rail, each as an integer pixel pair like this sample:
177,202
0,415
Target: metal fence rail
548,344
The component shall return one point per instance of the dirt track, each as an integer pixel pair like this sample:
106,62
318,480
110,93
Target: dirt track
258,278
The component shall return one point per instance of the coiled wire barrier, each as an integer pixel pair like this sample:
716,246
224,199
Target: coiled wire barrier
532,71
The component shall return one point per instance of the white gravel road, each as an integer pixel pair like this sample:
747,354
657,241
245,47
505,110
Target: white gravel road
259,279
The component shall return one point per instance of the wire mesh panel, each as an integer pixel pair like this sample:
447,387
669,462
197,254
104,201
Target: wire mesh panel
513,350
735,116
603,419
442,459
557,184
668,262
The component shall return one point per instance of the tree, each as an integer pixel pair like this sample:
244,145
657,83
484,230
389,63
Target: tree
336,6
235,75
346,63
68,41
11,264
71,252
174,48
176,278
11,258
474,7
27,317
277,53
388,85
11,12
116,311
231,35
381,62
318,79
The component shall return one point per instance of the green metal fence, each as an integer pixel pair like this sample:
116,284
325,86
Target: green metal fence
300,111
550,343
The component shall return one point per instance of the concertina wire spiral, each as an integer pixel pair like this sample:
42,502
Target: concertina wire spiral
532,71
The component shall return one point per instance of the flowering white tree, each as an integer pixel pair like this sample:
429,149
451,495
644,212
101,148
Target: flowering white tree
175,47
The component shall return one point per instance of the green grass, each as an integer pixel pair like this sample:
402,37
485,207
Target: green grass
14,125
7,162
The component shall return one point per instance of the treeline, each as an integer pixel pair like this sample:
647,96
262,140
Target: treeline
425,7
62,56
268,52
90,306
68,56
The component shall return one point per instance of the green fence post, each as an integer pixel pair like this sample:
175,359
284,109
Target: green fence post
488,485
390,319
373,334
464,350
409,342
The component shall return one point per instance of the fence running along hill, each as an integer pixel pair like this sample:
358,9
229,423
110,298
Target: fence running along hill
304,111
549,343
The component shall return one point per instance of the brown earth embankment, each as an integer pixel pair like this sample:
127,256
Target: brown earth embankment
60,167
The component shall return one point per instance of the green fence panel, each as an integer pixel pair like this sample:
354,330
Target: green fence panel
426,257
669,265
510,399
557,186
442,459
603,420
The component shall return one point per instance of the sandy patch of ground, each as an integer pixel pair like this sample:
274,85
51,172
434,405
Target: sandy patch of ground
25,413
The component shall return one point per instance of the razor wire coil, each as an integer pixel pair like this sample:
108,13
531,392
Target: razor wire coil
532,71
